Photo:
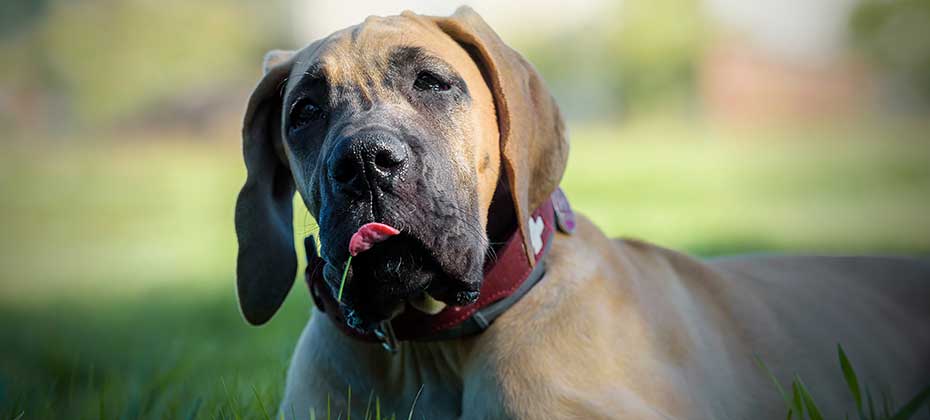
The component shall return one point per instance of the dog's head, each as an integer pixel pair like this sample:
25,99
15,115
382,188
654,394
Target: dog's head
426,124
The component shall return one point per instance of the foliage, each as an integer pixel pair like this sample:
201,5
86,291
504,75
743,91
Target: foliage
634,57
895,35
801,404
107,59
655,47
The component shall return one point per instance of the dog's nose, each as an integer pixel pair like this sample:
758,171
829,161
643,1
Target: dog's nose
368,160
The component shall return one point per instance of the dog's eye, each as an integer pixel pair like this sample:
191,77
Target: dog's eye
429,81
303,113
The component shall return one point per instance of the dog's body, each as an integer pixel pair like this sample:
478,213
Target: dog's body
433,125
625,329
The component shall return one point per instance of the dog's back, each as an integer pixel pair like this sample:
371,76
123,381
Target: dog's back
793,311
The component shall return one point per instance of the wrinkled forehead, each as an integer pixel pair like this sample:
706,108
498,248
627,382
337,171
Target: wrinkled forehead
362,54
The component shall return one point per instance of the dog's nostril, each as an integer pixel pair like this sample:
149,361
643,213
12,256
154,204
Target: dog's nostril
388,159
342,172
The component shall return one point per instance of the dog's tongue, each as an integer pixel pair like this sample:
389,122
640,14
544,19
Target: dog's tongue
368,235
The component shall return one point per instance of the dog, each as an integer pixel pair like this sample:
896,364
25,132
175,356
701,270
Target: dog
431,152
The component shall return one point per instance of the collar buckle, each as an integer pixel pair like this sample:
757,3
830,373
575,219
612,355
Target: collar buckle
385,333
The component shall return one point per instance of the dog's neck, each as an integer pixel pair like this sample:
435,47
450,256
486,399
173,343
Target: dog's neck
438,369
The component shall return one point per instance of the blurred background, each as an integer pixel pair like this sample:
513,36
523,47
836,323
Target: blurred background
711,126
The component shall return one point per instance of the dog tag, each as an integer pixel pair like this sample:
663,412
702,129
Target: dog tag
537,225
385,333
564,216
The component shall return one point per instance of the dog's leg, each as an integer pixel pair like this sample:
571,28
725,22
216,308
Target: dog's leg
304,392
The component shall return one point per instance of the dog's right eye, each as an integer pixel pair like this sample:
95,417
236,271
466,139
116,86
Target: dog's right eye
303,113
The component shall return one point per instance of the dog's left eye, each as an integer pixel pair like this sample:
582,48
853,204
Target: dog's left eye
429,81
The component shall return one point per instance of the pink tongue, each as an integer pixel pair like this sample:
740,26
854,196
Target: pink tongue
368,235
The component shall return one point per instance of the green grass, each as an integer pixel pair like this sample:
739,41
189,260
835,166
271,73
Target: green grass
691,186
800,404
342,283
117,259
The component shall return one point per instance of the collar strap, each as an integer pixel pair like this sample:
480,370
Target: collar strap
507,278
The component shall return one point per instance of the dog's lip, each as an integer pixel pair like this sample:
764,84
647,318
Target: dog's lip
444,291
333,271
339,256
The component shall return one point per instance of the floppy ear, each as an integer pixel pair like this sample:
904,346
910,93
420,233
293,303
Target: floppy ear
267,261
533,145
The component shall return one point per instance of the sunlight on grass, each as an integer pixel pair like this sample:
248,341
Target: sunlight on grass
710,191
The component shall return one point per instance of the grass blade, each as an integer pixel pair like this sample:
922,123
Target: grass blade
797,402
233,402
774,380
812,411
371,395
414,405
868,396
345,273
851,379
913,405
194,409
261,405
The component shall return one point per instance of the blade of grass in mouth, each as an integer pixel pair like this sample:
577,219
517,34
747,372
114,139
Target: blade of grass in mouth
342,284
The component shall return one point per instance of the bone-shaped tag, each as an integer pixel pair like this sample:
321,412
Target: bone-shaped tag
536,231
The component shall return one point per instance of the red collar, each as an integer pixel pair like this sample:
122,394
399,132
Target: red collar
506,279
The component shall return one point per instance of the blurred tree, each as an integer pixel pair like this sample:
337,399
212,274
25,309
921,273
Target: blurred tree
110,58
895,35
15,15
637,56
655,47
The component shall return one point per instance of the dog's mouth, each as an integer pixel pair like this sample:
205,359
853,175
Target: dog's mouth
391,271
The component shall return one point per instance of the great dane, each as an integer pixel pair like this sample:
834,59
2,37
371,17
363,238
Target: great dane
431,152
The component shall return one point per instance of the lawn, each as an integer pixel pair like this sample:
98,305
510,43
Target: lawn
117,258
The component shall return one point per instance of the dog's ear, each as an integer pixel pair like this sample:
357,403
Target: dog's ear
267,261
533,145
